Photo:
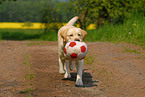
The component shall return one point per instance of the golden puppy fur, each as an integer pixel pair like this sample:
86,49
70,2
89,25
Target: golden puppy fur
65,34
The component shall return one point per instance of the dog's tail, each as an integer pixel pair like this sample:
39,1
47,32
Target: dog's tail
72,21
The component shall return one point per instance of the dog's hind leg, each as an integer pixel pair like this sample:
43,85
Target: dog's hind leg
71,65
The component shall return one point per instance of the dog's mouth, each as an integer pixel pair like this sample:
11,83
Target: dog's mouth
77,39
74,40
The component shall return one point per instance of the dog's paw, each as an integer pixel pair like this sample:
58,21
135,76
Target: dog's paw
67,75
61,71
79,82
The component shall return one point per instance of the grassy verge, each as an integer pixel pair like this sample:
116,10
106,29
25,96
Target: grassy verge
19,34
26,34
131,31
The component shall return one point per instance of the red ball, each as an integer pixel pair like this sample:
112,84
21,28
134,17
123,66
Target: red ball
73,55
72,44
83,49
75,50
65,50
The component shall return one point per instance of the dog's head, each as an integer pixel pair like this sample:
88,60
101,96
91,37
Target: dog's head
72,33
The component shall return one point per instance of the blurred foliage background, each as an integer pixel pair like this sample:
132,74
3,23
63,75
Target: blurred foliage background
101,13
98,12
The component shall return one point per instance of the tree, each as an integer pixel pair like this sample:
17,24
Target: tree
21,11
81,9
1,1
50,18
103,11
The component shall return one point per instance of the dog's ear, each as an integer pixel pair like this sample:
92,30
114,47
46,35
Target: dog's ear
84,33
63,33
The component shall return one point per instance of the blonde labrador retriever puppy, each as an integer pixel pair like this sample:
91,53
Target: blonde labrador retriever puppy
65,34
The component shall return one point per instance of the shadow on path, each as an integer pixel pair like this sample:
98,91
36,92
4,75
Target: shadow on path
87,79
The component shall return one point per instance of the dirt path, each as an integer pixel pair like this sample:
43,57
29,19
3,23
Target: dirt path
30,69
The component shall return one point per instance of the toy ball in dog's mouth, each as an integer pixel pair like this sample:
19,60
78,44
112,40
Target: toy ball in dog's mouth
75,50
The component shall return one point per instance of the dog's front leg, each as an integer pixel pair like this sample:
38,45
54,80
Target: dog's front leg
61,65
79,64
67,74
71,65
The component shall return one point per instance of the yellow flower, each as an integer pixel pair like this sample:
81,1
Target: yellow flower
134,24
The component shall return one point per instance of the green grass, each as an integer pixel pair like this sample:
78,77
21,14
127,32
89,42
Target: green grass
26,34
19,34
142,56
132,51
89,60
131,31
26,60
28,90
29,76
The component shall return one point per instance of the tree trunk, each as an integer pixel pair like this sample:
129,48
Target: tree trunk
81,20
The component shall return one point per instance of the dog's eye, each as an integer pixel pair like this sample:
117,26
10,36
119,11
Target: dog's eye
71,35
79,34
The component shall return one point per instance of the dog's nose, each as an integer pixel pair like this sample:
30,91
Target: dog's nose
77,39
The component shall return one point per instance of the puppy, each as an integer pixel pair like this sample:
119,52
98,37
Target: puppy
65,34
